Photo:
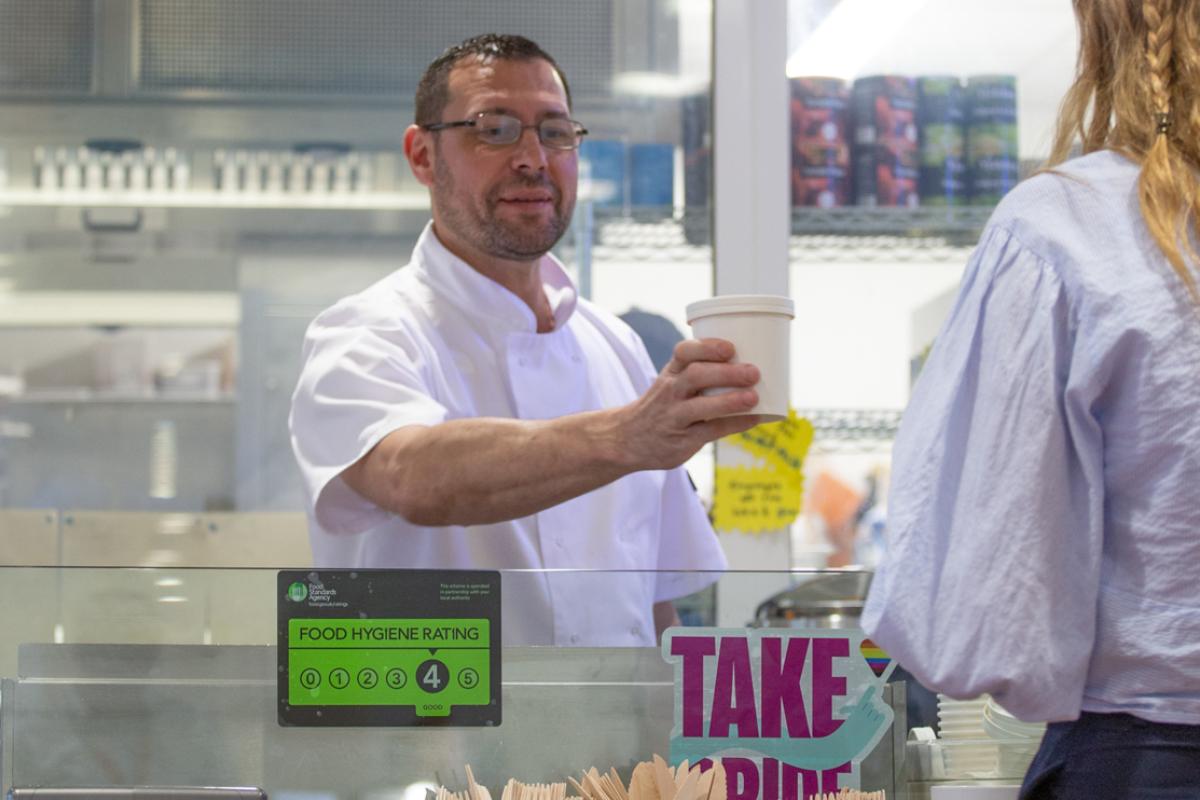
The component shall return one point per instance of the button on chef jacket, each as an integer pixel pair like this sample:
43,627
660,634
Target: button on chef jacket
438,341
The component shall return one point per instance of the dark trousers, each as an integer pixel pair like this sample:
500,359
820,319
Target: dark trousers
1115,757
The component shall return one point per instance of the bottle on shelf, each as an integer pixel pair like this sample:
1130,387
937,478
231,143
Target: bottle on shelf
139,169
181,175
91,174
128,169
320,177
109,171
245,171
68,170
39,167
155,170
220,171
274,174
364,182
341,176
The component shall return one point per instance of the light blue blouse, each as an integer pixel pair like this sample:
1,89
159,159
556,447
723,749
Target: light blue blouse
1044,515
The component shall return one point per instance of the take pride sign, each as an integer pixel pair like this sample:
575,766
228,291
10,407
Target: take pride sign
789,712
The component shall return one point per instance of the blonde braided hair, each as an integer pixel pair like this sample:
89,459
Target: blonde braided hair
1137,91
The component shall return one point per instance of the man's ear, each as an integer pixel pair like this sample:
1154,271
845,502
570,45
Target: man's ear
418,149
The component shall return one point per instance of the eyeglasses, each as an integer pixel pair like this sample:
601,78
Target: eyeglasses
557,133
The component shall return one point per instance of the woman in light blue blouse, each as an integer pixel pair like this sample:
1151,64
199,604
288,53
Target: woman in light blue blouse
1044,518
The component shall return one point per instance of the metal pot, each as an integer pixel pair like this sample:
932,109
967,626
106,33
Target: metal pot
824,600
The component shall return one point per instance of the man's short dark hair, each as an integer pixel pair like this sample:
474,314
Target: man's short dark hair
433,92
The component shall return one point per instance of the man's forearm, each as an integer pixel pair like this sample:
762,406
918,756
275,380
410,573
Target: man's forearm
486,470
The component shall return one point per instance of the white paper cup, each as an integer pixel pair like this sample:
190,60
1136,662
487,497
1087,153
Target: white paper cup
759,325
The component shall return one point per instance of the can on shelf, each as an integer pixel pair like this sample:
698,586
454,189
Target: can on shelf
885,150
820,169
652,174
992,156
603,175
941,128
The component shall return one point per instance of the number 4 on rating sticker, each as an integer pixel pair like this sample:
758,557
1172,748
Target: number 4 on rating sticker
433,675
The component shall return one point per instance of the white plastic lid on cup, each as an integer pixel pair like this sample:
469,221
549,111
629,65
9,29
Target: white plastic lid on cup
758,325
741,304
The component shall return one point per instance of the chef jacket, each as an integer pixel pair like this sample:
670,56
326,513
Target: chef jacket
439,341
1043,523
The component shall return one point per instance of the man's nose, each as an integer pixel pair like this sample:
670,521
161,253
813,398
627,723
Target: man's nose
528,151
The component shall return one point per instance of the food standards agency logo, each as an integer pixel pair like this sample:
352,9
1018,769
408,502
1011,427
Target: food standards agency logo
297,592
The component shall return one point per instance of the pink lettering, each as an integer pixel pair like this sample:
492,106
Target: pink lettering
825,685
741,778
693,649
770,779
803,779
781,687
733,691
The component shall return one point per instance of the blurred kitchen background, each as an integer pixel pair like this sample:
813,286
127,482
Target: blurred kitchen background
184,184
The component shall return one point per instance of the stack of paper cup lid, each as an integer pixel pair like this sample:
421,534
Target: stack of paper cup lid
1017,741
967,747
961,719
999,724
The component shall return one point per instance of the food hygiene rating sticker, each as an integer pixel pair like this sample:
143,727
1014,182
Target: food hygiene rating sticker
389,647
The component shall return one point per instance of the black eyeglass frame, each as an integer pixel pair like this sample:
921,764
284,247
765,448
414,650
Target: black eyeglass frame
580,131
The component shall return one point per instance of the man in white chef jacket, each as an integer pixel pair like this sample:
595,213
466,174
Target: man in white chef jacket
472,411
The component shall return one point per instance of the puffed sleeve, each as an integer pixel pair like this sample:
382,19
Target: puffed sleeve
995,515
358,384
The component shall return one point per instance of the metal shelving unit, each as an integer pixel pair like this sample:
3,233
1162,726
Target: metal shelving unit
867,427
847,235
957,224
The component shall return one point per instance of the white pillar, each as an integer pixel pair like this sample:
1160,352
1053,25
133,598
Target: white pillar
751,159
751,220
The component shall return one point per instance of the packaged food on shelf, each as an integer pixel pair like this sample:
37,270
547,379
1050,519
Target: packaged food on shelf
992,162
941,115
886,155
820,168
652,174
602,174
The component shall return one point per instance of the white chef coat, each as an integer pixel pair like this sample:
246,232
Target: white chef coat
438,341
1043,523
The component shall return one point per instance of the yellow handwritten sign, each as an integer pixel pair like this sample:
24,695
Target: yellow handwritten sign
783,445
755,499
767,497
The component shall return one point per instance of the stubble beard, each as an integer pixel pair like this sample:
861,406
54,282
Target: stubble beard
485,231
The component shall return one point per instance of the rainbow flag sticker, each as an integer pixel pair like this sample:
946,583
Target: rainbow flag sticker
876,658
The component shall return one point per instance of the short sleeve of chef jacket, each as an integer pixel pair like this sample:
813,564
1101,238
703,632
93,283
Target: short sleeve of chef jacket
359,383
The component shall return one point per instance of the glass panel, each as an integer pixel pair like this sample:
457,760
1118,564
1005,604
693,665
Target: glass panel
121,677
909,121
161,259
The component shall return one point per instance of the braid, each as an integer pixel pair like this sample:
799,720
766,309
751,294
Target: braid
1160,35
1135,93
